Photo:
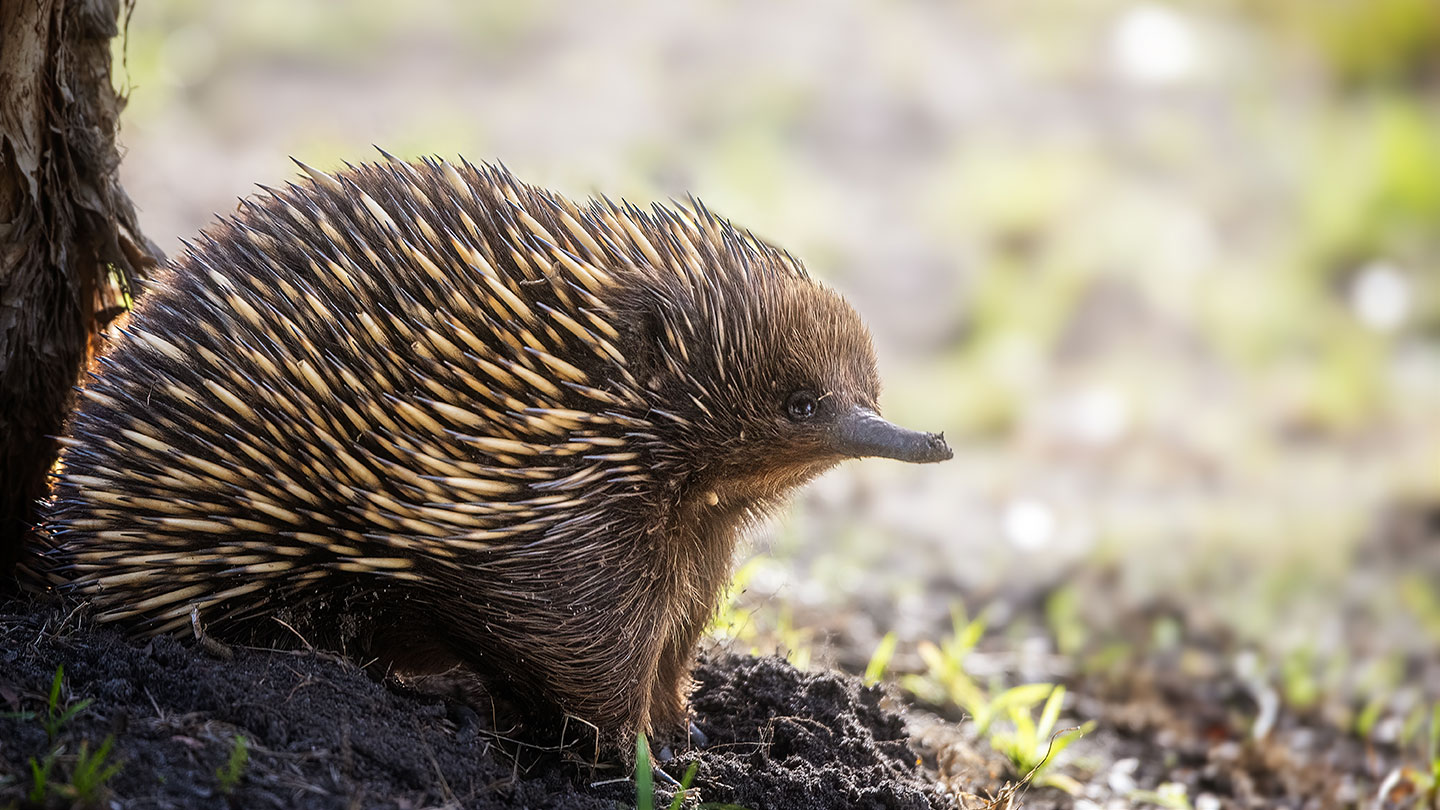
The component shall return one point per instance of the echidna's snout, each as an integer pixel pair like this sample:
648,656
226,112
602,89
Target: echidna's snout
862,433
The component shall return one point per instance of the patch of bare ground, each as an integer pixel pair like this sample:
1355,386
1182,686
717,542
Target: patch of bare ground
320,733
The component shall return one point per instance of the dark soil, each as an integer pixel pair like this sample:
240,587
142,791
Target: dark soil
779,737
321,733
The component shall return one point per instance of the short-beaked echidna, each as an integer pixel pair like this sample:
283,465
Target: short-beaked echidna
433,416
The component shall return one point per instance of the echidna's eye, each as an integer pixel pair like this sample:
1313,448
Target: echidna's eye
801,405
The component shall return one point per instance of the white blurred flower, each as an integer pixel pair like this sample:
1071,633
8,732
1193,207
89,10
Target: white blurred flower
1380,296
1154,44
1029,524
1097,415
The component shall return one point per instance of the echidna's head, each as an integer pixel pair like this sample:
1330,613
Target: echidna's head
770,377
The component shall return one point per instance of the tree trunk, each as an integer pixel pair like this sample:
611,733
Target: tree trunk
69,242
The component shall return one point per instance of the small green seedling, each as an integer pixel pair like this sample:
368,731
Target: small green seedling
945,679
92,771
1067,627
1370,715
880,659
229,774
645,782
1298,681
644,775
40,776
796,641
1411,727
56,718
1016,700
685,781
1032,745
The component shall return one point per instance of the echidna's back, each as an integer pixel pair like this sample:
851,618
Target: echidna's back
402,374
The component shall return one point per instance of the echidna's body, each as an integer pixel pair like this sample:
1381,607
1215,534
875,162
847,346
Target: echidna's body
436,416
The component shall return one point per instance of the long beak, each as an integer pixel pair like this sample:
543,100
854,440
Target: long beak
863,433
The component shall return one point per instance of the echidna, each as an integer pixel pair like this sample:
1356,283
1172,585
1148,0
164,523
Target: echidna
431,415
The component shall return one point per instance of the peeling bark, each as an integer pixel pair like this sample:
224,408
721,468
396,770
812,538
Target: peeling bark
69,240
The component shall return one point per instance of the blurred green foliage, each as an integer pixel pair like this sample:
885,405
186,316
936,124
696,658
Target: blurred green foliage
1363,43
1374,171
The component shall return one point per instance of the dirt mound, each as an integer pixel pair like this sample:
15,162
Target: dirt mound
779,737
320,733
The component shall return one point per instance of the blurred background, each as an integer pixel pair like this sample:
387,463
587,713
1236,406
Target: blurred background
1167,274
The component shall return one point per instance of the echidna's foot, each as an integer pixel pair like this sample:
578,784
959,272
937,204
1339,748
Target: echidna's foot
697,737
665,756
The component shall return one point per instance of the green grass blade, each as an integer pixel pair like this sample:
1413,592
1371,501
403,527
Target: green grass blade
880,659
644,775
1435,734
1050,715
55,688
685,781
